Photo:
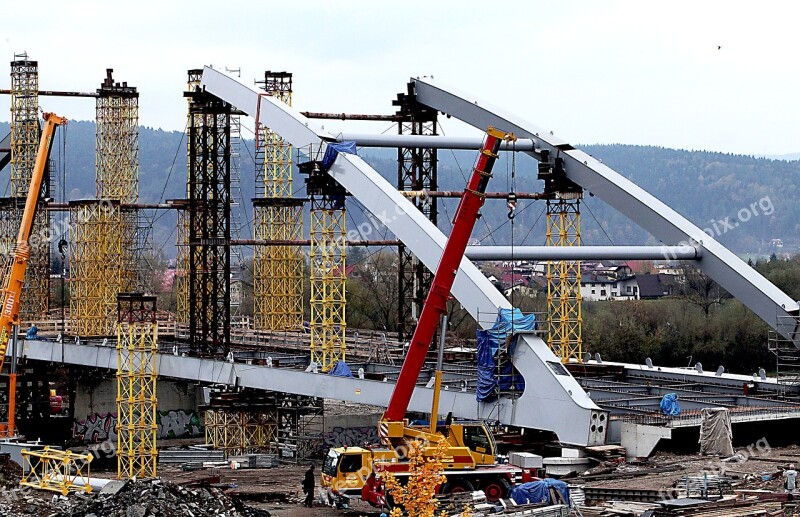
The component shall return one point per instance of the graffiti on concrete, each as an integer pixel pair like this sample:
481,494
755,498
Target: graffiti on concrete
97,428
350,436
178,424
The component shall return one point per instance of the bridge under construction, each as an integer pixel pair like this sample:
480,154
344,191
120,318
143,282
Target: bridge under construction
112,324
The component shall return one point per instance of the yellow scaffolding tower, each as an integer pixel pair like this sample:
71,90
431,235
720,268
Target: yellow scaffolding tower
277,270
97,264
182,267
35,299
241,432
328,298
564,278
117,162
137,344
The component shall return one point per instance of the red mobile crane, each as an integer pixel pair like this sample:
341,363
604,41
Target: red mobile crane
470,458
15,277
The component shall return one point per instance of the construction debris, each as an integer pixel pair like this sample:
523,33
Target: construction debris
132,499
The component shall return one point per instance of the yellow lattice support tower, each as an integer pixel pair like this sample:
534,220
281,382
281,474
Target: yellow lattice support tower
182,267
97,263
277,270
564,279
240,432
35,299
117,162
328,262
57,471
137,344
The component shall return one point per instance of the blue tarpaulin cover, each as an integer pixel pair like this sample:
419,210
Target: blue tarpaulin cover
341,370
490,377
32,332
332,151
669,405
539,492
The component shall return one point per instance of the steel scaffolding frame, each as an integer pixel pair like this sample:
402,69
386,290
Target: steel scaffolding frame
117,154
25,129
300,426
57,471
209,221
564,335
182,265
416,170
277,270
117,165
137,403
100,229
328,279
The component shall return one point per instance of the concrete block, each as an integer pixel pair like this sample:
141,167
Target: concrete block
525,460
572,453
640,440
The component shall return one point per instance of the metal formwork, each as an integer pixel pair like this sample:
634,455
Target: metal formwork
564,280
278,270
328,295
25,129
97,265
416,170
137,344
209,221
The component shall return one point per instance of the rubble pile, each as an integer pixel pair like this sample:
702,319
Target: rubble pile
10,471
130,499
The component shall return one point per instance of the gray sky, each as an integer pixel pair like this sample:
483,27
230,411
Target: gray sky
633,72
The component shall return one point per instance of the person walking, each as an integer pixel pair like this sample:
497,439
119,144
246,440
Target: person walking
308,487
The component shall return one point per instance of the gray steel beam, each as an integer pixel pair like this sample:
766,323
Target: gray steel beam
756,292
550,402
584,253
553,400
429,142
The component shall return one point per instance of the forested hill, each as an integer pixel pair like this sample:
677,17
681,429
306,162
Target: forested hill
705,187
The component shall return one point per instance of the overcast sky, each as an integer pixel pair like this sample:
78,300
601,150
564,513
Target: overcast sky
713,75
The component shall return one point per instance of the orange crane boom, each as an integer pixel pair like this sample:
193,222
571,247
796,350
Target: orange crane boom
12,288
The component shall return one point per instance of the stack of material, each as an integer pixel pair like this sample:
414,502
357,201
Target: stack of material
455,504
606,452
190,457
725,508
255,461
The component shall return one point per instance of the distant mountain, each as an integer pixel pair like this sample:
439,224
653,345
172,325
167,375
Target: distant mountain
745,201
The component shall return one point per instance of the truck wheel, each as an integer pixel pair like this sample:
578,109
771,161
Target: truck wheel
457,486
496,489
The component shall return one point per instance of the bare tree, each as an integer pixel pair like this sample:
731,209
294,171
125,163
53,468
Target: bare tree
699,289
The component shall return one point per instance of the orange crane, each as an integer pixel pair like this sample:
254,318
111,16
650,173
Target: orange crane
15,277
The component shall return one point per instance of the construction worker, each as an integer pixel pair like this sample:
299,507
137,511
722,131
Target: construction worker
308,487
791,479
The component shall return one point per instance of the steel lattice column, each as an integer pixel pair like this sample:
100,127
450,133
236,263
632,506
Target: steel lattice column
209,222
328,279
137,344
97,265
117,163
182,265
25,130
416,170
564,279
278,270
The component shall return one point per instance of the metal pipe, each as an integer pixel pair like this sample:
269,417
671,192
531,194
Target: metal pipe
430,141
459,193
352,116
55,93
307,242
437,383
680,252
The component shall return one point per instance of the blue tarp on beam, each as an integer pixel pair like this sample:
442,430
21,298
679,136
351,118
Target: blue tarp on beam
491,343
